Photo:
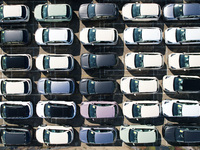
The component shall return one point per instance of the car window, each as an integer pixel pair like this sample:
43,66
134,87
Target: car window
177,109
92,111
46,135
136,10
91,136
178,84
184,61
45,35
178,10
136,110
47,86
180,35
45,11
1,12
137,34
91,87
91,10
3,87
46,62
92,61
139,60
133,136
92,35
134,85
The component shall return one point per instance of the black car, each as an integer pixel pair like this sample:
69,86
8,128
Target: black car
14,135
14,37
15,62
91,86
99,11
92,61
181,134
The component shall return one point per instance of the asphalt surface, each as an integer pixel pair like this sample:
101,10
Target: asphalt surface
76,49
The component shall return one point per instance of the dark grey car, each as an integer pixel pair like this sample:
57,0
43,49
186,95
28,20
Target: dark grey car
15,37
100,11
91,86
92,61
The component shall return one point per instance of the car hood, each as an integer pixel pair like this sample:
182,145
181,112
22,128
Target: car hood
124,134
125,85
40,109
39,135
40,86
62,87
84,35
39,35
169,134
168,84
128,35
173,61
168,11
130,60
83,87
127,11
105,112
103,137
127,109
83,136
39,62
38,12
84,110
106,60
83,14
170,35
104,87
84,61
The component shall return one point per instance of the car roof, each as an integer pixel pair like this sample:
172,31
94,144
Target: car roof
104,86
191,9
13,35
192,136
17,62
60,86
12,10
106,34
104,137
105,9
14,138
106,60
191,84
57,10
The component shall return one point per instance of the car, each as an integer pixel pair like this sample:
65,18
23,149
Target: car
141,109
141,12
51,86
181,134
181,108
95,61
16,135
14,13
53,12
55,62
99,109
181,11
15,86
14,37
138,134
98,11
16,109
142,36
15,62
139,85
143,61
91,86
181,84
56,109
54,36
54,134
184,61
182,36
98,36
98,135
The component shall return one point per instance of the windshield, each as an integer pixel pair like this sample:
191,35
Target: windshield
134,85
137,35
91,10
1,12
44,11
139,60
92,35
133,136
3,111
92,111
47,86
177,109
184,61
179,135
91,87
178,10
45,35
90,136
136,10
46,62
178,84
2,36
92,61
3,62
136,110
46,135
180,35
3,87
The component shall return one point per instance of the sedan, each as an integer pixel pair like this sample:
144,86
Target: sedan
16,135
94,61
99,109
98,11
47,86
181,134
185,36
141,109
90,86
99,36
53,12
184,61
56,109
16,110
181,84
14,37
14,13
134,85
54,36
138,134
98,135
142,36
55,62
141,12
15,86
181,108
15,62
55,134
144,61
180,11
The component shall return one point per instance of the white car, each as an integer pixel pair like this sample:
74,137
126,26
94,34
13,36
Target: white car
184,61
99,36
14,13
142,36
143,61
15,86
181,84
54,134
134,85
184,35
56,109
141,12
141,109
181,108
46,62
16,110
54,36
